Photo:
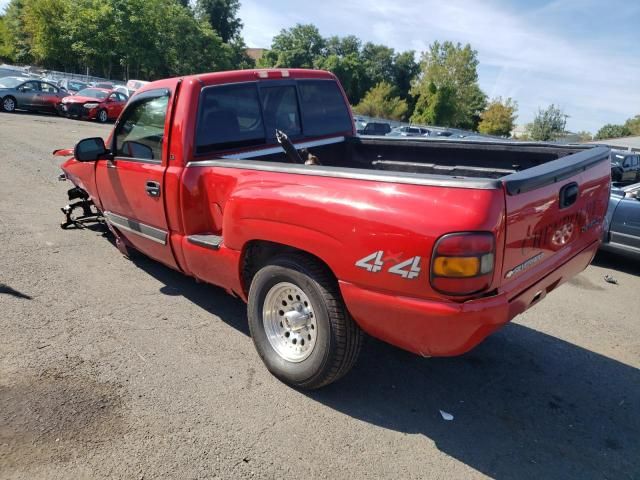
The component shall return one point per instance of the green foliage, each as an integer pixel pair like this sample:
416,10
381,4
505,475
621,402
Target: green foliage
584,136
548,124
122,38
447,88
499,117
380,102
222,15
633,125
6,47
358,66
612,131
296,47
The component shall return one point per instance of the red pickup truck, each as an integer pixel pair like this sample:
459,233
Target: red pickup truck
255,181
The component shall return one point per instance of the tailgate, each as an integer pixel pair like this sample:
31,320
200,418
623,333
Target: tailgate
554,210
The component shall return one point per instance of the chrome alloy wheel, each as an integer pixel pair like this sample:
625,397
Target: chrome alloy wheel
9,104
289,322
102,116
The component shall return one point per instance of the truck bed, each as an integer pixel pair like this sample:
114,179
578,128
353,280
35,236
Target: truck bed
470,159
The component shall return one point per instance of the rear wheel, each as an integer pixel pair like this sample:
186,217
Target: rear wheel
299,323
9,104
102,116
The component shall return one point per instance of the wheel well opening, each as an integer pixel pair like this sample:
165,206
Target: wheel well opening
257,253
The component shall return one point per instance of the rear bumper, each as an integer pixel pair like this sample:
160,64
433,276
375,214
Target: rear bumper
438,328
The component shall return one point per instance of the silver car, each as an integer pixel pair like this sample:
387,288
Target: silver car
622,223
21,93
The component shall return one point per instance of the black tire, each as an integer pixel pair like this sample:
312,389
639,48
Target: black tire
339,338
5,104
102,116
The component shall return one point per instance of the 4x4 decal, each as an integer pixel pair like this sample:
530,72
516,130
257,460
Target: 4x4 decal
409,268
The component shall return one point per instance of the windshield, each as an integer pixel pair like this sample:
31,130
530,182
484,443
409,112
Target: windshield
93,93
617,158
76,86
10,82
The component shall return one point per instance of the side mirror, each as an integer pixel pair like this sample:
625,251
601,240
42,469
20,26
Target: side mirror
90,149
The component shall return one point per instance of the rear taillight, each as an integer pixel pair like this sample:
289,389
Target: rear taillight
463,263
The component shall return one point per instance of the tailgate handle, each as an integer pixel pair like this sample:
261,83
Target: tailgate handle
568,195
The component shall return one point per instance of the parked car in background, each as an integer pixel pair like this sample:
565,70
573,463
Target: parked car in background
622,223
123,90
94,104
71,86
375,128
410,131
133,85
625,166
107,85
23,93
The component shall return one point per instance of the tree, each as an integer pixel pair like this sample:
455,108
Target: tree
449,76
405,69
612,131
499,117
584,136
296,47
222,15
380,102
633,124
6,47
349,71
548,124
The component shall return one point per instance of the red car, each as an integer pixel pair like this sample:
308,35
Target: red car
255,181
94,104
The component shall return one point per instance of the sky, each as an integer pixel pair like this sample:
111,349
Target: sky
582,55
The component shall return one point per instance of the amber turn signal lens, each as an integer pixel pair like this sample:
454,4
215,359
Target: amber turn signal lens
456,266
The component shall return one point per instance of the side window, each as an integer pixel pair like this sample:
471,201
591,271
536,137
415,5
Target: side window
280,108
635,160
122,97
324,111
48,88
31,87
229,117
113,97
627,162
141,129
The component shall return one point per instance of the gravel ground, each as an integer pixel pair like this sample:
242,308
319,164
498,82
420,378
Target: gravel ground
121,368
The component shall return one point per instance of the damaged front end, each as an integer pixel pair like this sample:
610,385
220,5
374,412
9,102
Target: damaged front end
81,212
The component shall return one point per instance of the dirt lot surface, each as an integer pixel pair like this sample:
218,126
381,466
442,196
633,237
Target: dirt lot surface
121,368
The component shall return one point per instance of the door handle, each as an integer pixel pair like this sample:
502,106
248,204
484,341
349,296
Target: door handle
153,189
568,195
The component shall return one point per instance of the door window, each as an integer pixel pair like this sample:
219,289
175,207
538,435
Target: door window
140,130
48,88
31,87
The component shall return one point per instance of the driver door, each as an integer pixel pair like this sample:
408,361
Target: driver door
131,186
27,94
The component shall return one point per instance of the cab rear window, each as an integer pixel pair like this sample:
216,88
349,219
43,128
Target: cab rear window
323,108
229,117
244,115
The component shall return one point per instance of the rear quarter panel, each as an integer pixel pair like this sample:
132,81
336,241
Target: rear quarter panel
339,220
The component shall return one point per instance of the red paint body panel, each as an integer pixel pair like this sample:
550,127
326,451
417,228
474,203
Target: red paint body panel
342,221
